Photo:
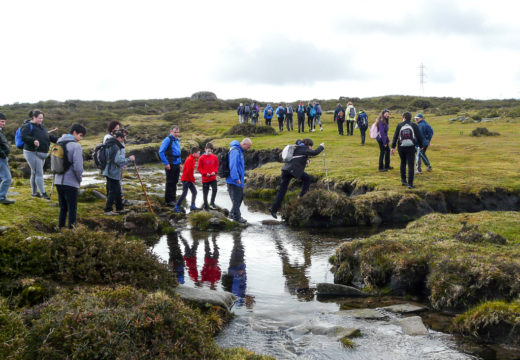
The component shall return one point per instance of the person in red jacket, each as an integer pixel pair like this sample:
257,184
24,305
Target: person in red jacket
208,167
211,272
188,181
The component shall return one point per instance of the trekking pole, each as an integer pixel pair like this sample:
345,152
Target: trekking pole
326,173
144,190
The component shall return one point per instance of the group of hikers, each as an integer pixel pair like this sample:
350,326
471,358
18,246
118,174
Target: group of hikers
411,139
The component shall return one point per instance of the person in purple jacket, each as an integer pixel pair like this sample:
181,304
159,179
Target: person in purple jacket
382,122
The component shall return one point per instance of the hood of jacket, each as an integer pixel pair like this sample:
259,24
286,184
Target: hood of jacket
66,137
235,143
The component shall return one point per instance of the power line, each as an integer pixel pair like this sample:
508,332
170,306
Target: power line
422,76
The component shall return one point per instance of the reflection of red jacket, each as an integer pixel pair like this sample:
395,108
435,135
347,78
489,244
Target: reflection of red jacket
208,163
188,169
210,271
191,263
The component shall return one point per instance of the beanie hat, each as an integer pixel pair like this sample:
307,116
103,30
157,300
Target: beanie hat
2,117
419,116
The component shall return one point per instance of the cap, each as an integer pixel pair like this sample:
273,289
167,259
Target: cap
419,116
2,117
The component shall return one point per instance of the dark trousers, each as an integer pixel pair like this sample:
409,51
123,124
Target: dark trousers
280,124
363,135
289,122
205,191
422,157
236,193
350,127
301,123
268,122
310,122
384,155
340,126
113,195
68,201
407,155
187,185
286,179
172,178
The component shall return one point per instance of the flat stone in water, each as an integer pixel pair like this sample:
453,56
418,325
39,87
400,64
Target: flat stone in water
327,289
334,331
271,222
404,308
367,314
412,326
201,296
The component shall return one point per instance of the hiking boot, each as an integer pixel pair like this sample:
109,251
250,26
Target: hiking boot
194,208
241,220
170,203
110,213
36,195
429,168
273,213
45,196
212,206
404,183
383,170
390,168
177,210
205,207
6,201
123,211
321,129
411,186
418,171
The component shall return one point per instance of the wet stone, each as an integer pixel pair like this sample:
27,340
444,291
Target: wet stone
203,296
404,308
334,331
367,314
327,289
271,222
413,326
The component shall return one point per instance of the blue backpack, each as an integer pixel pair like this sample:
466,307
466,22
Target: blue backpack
312,112
301,109
18,136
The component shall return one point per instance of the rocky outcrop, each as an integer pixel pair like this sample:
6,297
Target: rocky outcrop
203,96
203,297
333,290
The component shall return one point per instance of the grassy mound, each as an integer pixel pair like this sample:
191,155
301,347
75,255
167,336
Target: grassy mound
247,129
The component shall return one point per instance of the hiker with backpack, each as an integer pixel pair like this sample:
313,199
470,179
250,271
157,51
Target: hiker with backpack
68,182
235,180
382,124
247,113
208,169
115,160
317,117
112,127
36,142
188,181
255,111
427,133
339,118
301,117
407,136
311,113
170,155
295,168
351,117
289,117
280,114
362,124
5,173
268,114
240,112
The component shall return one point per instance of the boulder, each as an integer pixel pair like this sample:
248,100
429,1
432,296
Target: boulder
413,326
203,96
327,289
404,308
141,223
203,296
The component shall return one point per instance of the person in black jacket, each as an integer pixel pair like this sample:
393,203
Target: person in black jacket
36,143
296,169
5,173
408,136
339,118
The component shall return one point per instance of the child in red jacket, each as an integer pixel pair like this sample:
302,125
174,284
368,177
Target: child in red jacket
188,181
208,167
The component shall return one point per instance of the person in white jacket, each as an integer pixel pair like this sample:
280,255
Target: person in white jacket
350,115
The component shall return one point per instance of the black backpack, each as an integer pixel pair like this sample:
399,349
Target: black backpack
100,154
406,136
223,164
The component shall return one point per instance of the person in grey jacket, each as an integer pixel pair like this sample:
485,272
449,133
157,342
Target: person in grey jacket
5,173
115,154
69,182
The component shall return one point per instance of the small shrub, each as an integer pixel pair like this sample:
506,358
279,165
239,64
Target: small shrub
12,333
247,129
483,132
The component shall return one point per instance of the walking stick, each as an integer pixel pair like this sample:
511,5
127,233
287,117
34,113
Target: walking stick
144,190
52,187
326,173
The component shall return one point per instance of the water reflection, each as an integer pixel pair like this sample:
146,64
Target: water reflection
175,260
235,280
211,270
190,257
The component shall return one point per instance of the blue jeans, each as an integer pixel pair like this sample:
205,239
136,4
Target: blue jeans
5,178
236,193
36,160
186,185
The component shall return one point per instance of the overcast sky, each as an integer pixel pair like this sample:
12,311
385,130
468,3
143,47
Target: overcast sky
266,50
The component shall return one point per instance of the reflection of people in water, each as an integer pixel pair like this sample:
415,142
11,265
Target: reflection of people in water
190,257
236,278
176,261
210,271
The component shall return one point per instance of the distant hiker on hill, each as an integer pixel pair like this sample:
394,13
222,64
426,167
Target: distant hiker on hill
289,117
362,123
36,143
268,114
188,181
317,117
255,112
295,168
311,113
170,155
382,123
301,116
351,117
407,136
69,182
339,118
5,173
280,114
427,133
115,161
240,112
247,112
208,168
235,180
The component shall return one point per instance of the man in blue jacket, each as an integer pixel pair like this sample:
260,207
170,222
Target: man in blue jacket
170,154
268,114
235,180
427,133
